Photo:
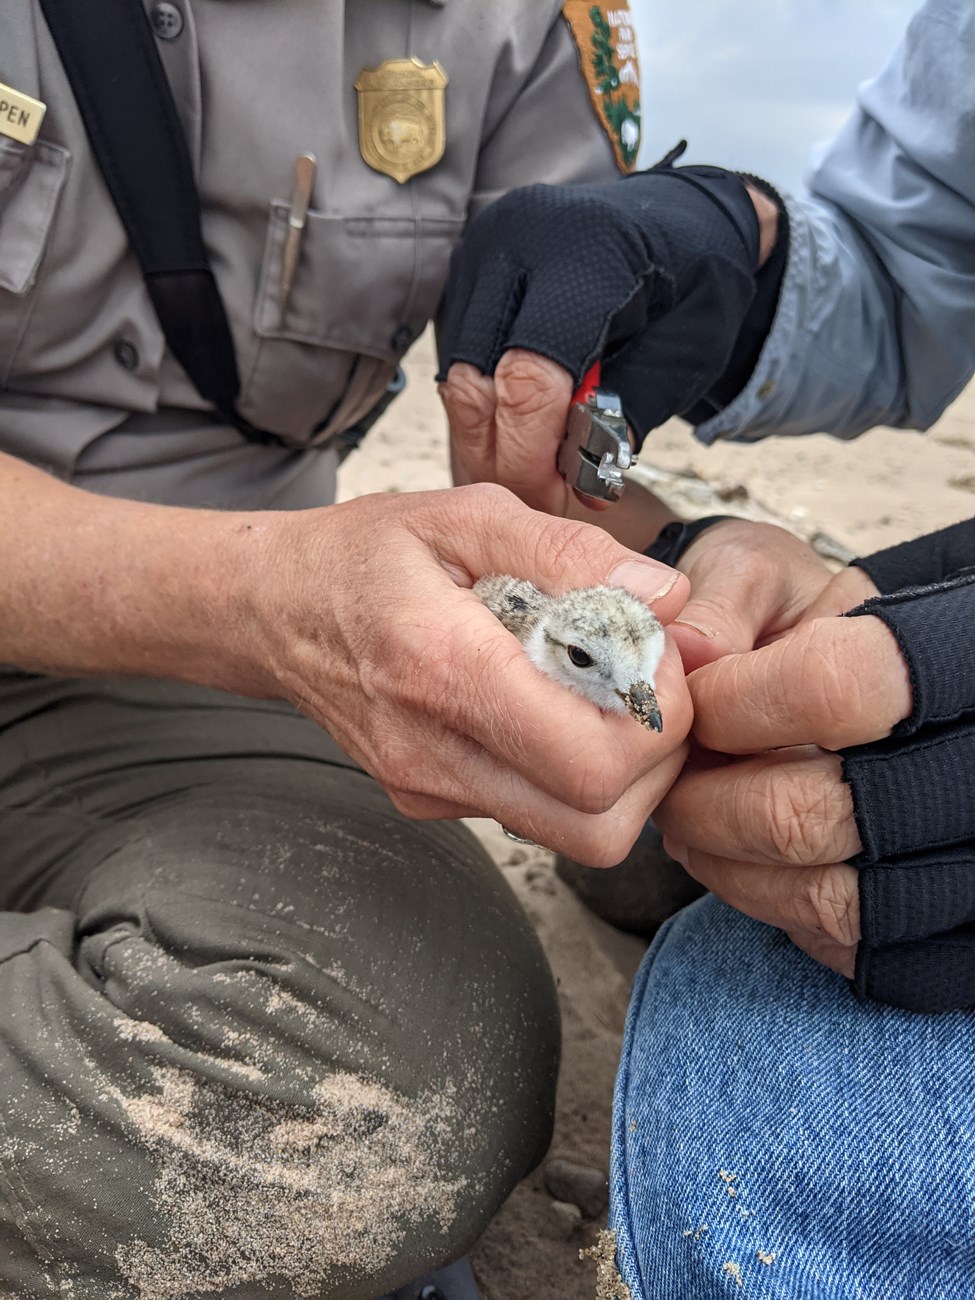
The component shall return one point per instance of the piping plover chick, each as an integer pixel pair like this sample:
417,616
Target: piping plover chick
600,641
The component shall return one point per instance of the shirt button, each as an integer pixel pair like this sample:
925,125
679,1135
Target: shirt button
402,338
126,354
166,20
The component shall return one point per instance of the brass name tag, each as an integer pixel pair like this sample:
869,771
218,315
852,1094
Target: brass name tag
20,116
402,125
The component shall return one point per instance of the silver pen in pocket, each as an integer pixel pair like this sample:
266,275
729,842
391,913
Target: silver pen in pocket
297,214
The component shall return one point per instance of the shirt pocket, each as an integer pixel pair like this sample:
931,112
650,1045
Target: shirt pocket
31,180
363,290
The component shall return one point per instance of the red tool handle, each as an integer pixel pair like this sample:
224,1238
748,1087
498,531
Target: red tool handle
590,382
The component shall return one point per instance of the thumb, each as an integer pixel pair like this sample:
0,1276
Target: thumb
502,535
845,590
710,627
469,401
533,399
570,554
750,582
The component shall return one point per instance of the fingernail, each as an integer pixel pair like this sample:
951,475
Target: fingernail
647,579
700,628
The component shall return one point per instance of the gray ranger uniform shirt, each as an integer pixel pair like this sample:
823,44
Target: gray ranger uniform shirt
87,387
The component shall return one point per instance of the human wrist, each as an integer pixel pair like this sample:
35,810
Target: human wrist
235,599
767,211
634,521
678,535
188,598
773,239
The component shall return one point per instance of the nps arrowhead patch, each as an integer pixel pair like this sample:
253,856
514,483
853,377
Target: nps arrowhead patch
606,43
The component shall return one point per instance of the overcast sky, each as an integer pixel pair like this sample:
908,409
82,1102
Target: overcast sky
752,85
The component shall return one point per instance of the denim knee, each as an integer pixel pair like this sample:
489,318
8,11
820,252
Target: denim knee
777,1138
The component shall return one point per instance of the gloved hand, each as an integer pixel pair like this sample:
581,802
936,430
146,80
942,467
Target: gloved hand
912,794
863,850
653,274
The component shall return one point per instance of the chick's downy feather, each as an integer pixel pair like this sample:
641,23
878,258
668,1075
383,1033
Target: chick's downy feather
602,642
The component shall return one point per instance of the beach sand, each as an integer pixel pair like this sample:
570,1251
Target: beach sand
849,498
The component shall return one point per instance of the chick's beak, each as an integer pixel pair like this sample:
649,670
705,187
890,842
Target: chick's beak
641,703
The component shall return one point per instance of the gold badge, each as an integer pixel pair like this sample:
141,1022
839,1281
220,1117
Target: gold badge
402,127
20,116
606,42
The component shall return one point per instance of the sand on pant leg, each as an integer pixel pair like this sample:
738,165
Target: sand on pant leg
255,1190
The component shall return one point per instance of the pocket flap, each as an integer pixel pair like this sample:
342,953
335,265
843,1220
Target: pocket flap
28,214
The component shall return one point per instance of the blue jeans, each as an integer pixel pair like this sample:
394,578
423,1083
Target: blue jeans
775,1139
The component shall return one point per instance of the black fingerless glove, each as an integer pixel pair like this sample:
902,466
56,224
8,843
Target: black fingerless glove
654,275
913,793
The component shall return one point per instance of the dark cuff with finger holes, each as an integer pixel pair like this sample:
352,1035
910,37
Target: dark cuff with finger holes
931,558
931,977
933,628
912,807
674,538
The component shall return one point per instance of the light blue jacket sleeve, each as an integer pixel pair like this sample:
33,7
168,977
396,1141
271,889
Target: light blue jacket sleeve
876,317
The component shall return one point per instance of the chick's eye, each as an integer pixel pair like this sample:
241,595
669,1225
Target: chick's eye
579,656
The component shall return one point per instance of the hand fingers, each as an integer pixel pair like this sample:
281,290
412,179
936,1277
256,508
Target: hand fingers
749,581
837,956
789,806
555,740
448,665
604,840
591,505
845,590
833,682
817,906
533,398
485,787
508,429
470,401
483,529
440,772
424,686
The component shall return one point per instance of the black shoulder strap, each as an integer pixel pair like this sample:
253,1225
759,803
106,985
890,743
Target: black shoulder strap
111,60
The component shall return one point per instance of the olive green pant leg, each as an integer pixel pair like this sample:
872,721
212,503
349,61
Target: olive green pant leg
260,1035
